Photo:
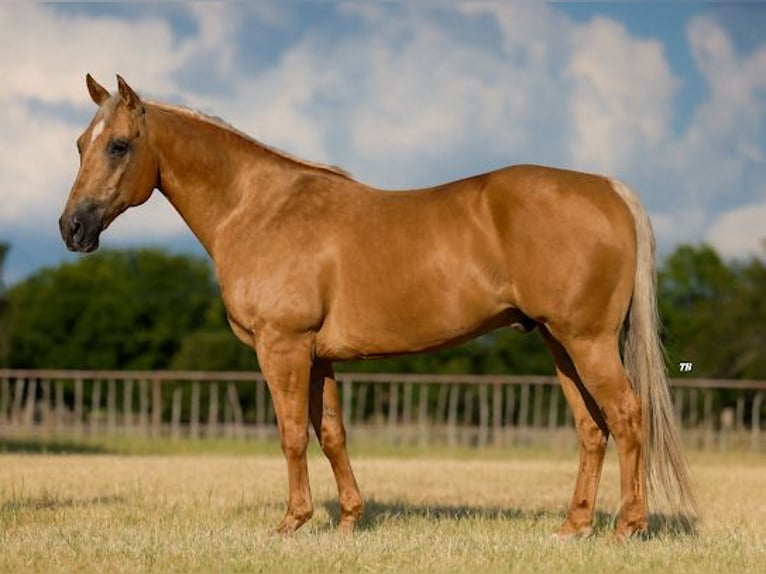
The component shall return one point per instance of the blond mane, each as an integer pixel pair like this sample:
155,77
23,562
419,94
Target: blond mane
218,122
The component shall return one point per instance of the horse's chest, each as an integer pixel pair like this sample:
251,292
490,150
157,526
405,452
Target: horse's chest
282,297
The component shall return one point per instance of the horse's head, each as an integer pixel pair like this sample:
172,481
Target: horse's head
117,166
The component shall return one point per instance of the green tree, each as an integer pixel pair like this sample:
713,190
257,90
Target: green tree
213,347
113,309
714,313
747,316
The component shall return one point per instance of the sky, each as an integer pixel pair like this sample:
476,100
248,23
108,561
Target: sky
668,97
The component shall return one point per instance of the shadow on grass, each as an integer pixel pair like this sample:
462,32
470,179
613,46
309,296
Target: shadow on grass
376,513
672,526
45,502
45,446
660,525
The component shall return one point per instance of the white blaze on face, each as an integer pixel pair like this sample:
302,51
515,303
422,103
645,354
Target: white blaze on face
97,129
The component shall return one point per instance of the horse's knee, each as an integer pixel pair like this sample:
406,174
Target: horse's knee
333,439
294,440
625,416
592,439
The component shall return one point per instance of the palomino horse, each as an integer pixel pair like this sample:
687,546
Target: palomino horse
316,267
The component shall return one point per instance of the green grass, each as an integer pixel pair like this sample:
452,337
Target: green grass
212,507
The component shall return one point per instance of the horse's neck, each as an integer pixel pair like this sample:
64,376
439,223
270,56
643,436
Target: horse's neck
204,169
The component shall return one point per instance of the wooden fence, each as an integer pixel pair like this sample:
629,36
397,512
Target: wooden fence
413,409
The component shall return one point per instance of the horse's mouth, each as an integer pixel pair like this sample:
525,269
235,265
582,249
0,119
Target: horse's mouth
81,230
83,246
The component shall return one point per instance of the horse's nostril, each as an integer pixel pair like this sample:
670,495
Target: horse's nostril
77,229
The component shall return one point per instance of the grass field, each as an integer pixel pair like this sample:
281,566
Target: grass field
438,511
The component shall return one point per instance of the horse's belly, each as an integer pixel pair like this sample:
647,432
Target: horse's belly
407,327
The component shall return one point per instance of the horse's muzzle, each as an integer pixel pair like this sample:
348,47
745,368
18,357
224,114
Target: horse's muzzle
80,229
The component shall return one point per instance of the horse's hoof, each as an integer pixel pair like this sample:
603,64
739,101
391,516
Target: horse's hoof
623,533
347,526
568,531
290,524
285,528
570,534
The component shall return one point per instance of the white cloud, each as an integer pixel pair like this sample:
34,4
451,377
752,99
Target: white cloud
45,54
397,100
723,137
38,155
740,231
678,226
621,101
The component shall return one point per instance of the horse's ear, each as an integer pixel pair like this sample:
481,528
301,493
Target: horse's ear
129,97
98,93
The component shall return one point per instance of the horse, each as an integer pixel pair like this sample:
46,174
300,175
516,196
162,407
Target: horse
316,267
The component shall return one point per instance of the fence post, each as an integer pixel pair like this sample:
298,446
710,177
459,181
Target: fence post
537,413
740,424
524,413
5,395
29,406
45,407
454,397
212,413
423,414
79,399
18,401
483,415
755,419
143,406
441,404
60,407
393,413
111,406
497,412
175,415
510,411
678,403
194,411
709,421
361,403
156,407
377,404
95,405
693,408
236,410
127,405
467,427
407,413
553,409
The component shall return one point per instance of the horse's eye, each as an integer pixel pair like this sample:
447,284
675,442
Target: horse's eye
117,148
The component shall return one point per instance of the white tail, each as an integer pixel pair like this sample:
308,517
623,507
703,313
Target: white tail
666,471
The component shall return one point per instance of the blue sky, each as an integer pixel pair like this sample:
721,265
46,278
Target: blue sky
669,97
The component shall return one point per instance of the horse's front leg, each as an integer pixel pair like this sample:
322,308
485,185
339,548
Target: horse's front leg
326,416
285,360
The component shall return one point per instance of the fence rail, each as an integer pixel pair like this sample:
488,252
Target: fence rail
398,408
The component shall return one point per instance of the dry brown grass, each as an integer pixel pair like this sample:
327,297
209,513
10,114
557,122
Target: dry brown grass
215,513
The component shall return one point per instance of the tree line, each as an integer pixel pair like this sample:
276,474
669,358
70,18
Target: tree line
148,309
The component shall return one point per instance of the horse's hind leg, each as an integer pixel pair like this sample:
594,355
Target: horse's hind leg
597,362
327,419
592,434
